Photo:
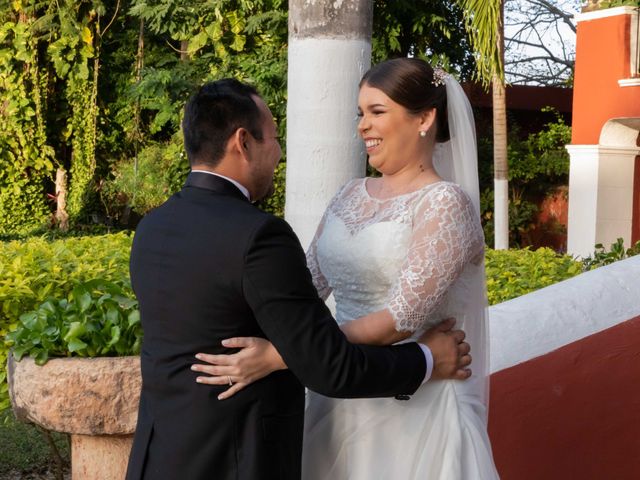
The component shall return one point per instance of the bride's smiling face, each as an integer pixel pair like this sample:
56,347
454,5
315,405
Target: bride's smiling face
390,132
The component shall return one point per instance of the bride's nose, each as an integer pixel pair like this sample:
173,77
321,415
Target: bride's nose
363,125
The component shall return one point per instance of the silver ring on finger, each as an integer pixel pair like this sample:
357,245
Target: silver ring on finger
230,381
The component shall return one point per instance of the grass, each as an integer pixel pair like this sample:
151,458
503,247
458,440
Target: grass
24,448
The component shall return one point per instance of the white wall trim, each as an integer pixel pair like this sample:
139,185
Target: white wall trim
604,13
622,133
596,149
547,319
629,82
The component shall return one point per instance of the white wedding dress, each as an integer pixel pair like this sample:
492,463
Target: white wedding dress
418,255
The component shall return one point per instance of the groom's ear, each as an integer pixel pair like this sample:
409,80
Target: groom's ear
239,141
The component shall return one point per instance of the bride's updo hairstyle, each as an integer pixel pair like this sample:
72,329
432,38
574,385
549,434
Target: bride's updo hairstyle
410,83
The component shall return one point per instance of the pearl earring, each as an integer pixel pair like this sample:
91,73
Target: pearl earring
423,133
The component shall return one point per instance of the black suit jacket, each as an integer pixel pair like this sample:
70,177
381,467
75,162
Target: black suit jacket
205,266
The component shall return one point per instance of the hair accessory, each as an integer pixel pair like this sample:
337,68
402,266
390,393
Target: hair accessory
439,76
423,133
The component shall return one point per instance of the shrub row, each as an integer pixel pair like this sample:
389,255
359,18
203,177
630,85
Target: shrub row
73,295
511,273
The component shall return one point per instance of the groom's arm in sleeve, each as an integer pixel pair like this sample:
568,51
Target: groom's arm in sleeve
278,287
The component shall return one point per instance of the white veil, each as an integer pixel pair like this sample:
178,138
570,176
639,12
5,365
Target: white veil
457,161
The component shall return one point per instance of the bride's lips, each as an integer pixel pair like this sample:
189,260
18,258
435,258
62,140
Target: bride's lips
372,143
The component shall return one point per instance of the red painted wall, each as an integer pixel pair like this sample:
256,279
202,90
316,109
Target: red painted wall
602,58
573,413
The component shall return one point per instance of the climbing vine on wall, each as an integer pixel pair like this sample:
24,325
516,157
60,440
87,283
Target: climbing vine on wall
26,160
48,83
73,54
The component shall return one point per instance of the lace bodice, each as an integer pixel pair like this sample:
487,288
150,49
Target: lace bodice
403,253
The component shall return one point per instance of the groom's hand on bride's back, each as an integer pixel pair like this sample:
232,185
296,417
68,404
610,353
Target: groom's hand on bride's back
450,352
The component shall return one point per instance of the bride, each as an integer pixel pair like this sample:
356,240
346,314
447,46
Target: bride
405,250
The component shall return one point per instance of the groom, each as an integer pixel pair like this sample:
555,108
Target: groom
207,265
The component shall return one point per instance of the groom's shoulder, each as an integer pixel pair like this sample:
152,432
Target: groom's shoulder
269,223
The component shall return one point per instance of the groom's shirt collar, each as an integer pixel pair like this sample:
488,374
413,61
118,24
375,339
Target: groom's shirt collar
242,188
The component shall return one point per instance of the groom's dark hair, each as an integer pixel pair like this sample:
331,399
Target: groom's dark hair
213,114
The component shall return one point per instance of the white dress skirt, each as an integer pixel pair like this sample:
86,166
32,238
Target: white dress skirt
420,256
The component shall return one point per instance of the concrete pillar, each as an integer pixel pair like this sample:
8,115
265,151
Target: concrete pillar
329,51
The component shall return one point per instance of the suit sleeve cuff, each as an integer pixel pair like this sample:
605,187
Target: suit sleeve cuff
429,359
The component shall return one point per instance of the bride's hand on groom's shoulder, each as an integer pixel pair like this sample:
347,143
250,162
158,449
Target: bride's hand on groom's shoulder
451,358
256,359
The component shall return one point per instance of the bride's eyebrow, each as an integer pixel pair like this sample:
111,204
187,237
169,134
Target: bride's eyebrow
374,105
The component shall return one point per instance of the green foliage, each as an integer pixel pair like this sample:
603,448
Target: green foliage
275,203
434,30
160,170
521,215
73,55
511,273
34,270
536,166
542,156
26,160
618,3
241,39
601,257
97,318
90,86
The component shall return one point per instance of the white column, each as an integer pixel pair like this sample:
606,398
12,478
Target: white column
329,51
323,148
600,196
583,199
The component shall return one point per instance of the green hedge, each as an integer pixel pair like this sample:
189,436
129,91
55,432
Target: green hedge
84,281
511,273
33,270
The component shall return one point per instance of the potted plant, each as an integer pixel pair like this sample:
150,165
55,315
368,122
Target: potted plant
74,368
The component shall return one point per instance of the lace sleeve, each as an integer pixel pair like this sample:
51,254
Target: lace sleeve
319,280
446,236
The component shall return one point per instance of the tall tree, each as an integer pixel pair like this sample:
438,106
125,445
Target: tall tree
484,21
540,40
423,27
500,158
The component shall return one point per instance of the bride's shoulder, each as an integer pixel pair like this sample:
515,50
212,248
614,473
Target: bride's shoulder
349,188
445,194
448,190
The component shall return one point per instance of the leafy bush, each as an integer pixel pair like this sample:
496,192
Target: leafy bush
275,203
521,217
542,156
537,165
97,318
145,183
161,171
511,273
601,257
31,271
